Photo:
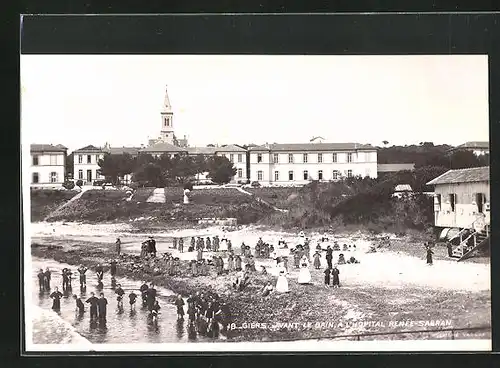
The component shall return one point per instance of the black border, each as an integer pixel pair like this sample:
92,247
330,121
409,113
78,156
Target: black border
283,34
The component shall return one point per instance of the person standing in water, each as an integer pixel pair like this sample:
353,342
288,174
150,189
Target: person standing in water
41,280
179,302
151,297
83,279
120,293
118,246
144,293
56,299
102,302
112,269
131,299
80,308
99,272
47,276
93,306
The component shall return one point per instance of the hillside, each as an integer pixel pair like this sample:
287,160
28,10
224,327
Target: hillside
110,205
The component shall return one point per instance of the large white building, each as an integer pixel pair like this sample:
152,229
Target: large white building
47,167
300,163
478,148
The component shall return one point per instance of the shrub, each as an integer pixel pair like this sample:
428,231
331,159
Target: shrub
68,185
79,183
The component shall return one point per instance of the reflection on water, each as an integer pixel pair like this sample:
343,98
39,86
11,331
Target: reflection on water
123,324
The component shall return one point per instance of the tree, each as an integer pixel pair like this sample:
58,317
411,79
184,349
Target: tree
149,175
69,165
220,170
115,166
464,159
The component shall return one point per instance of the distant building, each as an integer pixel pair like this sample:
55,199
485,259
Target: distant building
161,148
47,167
300,163
478,148
86,164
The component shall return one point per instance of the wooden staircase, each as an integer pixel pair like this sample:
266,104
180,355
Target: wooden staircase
470,243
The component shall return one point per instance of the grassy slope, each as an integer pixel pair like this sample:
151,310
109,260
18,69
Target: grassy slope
44,201
304,303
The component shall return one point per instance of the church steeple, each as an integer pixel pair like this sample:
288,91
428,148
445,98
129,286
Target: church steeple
167,121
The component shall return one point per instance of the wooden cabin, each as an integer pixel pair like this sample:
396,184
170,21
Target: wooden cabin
462,202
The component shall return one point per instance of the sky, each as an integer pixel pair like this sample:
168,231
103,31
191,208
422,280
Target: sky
78,100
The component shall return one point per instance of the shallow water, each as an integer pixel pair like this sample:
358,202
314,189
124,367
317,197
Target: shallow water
122,325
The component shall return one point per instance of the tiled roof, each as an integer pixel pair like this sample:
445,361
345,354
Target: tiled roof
230,148
472,145
47,148
120,150
201,150
90,148
394,167
162,147
475,174
313,147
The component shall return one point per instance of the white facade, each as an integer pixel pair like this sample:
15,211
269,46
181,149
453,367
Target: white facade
238,157
86,165
291,167
47,167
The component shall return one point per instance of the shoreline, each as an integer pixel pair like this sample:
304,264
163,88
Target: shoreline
304,306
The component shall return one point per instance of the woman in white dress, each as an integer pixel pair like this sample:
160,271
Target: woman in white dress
282,283
304,273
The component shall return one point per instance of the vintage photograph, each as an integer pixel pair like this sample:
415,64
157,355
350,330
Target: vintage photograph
256,202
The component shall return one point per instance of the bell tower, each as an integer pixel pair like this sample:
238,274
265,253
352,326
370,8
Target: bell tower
167,121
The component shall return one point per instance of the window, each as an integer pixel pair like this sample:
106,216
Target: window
80,174
53,160
334,157
240,157
320,157
240,173
335,175
80,159
306,175
259,157
349,157
35,160
290,158
320,175
231,157
304,156
480,199
276,176
290,175
349,173
259,175
89,159
437,202
276,158
35,178
452,198
53,177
